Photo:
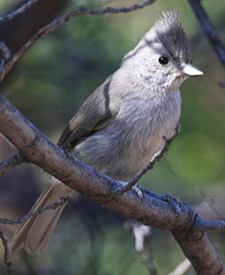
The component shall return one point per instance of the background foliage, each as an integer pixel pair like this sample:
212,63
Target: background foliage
50,83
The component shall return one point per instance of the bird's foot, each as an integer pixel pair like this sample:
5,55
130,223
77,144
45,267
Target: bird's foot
138,191
174,201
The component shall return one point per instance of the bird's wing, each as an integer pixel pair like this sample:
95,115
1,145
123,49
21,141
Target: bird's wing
95,113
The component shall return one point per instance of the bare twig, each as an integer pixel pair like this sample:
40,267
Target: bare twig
148,257
9,16
157,156
6,252
5,54
142,243
208,29
140,231
131,8
182,268
59,21
205,226
11,162
30,214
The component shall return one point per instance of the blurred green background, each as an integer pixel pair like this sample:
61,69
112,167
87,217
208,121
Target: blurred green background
49,84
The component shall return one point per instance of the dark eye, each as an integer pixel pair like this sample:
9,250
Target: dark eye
163,60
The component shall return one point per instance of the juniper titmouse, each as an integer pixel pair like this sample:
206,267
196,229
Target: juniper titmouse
120,126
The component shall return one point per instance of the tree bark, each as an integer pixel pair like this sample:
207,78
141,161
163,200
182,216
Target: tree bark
151,209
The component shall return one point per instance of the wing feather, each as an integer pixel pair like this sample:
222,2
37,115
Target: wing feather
95,113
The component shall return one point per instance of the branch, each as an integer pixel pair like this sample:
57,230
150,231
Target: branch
148,257
150,165
142,243
5,55
40,210
205,226
6,252
182,268
43,31
150,209
20,10
11,162
208,29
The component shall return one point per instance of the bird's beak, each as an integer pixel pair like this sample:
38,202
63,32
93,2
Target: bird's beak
190,70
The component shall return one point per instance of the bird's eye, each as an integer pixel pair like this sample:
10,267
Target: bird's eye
163,60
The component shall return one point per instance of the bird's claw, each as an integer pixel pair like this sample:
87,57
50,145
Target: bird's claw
138,191
174,201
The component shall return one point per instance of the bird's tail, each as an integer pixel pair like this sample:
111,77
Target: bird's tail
35,233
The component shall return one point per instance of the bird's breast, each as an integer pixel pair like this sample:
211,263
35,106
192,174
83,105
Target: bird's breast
123,147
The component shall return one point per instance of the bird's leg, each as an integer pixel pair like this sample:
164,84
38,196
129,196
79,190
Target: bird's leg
138,191
126,187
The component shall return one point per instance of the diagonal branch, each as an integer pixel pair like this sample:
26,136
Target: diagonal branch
6,252
209,30
150,210
43,31
11,162
182,268
31,213
157,156
19,10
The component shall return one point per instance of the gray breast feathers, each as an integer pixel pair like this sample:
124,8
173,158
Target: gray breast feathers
128,142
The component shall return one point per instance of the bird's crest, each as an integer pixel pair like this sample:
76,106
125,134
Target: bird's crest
170,34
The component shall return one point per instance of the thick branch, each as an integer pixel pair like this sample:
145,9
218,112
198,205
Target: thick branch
151,210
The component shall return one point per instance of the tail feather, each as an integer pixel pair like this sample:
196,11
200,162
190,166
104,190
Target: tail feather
35,233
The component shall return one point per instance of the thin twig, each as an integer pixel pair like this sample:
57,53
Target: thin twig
208,29
6,252
5,54
11,162
142,243
182,268
30,214
205,226
20,10
59,21
148,256
157,156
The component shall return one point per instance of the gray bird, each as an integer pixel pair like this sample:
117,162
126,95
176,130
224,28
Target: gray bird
121,125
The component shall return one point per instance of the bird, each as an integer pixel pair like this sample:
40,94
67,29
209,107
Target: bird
121,125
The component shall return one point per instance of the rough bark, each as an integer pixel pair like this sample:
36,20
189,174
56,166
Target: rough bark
151,209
